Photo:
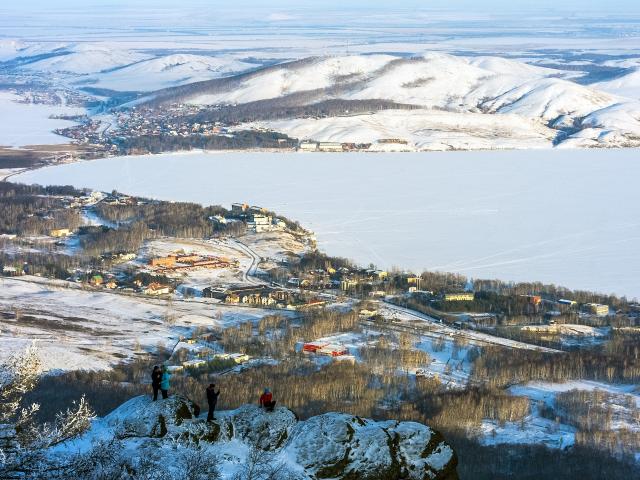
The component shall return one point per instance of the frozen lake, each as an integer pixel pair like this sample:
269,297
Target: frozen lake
570,217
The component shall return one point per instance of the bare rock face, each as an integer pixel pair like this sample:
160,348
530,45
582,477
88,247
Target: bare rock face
328,446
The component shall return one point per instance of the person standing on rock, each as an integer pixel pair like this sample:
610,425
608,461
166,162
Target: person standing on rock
212,399
266,400
156,378
164,382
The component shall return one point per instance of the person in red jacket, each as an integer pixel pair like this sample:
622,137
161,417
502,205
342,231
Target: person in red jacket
266,400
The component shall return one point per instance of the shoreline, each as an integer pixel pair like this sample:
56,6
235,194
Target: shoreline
5,177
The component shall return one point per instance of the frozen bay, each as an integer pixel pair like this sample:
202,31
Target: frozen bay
569,217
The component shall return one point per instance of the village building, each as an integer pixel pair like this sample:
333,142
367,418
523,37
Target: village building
308,146
533,299
163,262
239,209
330,147
459,297
260,223
11,271
348,284
60,232
597,309
157,289
569,303
195,363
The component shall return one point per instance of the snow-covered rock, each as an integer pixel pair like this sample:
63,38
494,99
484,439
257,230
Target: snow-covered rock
332,445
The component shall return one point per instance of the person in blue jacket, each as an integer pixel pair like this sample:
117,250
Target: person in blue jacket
164,382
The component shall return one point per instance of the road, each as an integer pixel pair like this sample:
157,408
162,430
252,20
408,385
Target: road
249,274
477,337
434,327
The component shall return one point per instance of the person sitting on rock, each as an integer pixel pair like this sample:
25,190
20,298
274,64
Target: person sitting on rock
212,399
164,382
156,377
266,400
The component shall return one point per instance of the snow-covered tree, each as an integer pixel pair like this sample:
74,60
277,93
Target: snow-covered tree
18,375
22,439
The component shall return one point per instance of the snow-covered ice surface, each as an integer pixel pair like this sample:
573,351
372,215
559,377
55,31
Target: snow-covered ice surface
559,216
29,124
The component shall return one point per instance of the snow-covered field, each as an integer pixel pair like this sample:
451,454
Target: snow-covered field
422,129
536,429
77,329
565,217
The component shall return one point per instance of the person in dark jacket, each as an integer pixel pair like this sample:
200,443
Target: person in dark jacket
164,382
212,399
156,376
266,400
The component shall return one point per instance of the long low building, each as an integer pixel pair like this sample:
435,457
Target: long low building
459,297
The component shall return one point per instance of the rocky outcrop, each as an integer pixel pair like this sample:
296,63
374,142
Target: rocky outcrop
328,446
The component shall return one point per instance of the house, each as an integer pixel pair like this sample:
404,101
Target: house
570,303
333,350
157,289
348,284
10,270
239,208
169,261
597,309
381,274
533,299
313,303
260,223
313,347
219,219
196,363
239,358
330,147
459,297
308,146
258,296
60,232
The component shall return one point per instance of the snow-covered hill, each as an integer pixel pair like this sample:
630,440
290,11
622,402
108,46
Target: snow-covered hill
423,129
333,445
490,102
169,70
87,59
627,85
